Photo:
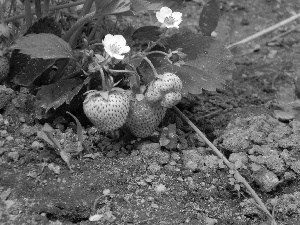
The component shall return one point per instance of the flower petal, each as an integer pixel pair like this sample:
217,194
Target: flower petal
107,49
125,49
120,40
107,39
166,11
177,16
160,17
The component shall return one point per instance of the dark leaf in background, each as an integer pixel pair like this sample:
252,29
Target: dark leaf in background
207,66
63,91
149,33
141,6
46,46
107,7
33,69
209,17
19,61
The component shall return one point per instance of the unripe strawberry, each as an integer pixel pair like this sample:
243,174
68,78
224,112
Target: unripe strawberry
171,99
4,68
107,113
143,119
169,82
153,93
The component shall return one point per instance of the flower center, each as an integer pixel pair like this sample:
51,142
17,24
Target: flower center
169,20
115,48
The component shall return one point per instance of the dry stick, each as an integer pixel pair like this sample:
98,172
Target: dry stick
229,164
28,14
265,31
13,18
283,34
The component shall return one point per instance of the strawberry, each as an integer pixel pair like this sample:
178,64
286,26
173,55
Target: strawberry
4,68
143,119
107,111
171,99
169,82
153,93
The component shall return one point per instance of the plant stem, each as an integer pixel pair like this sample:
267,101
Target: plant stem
151,65
1,13
78,24
229,164
76,34
121,71
13,18
38,9
160,52
28,15
103,80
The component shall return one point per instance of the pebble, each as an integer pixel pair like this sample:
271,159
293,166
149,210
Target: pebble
36,145
160,188
13,155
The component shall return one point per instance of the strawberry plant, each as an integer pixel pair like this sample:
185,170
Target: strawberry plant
131,75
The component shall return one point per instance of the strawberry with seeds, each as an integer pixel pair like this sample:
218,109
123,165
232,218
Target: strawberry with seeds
108,111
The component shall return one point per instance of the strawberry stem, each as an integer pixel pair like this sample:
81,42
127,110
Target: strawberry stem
121,71
160,52
103,80
151,65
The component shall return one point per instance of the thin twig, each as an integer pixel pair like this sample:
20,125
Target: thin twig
229,164
265,31
285,33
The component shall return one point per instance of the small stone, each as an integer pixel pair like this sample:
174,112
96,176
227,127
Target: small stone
154,167
267,180
160,188
13,155
9,138
36,145
106,192
22,119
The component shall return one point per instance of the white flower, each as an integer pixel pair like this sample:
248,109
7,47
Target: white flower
115,46
168,18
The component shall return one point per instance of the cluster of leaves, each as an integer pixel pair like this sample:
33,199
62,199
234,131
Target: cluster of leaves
207,64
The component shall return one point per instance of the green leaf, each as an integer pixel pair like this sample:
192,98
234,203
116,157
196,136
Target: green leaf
47,135
207,66
79,129
209,17
63,91
149,33
46,46
141,6
107,7
33,69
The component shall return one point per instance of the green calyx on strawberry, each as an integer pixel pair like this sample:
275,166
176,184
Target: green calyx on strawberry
160,89
108,110
143,119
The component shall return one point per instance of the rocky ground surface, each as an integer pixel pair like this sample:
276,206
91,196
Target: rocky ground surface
140,182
